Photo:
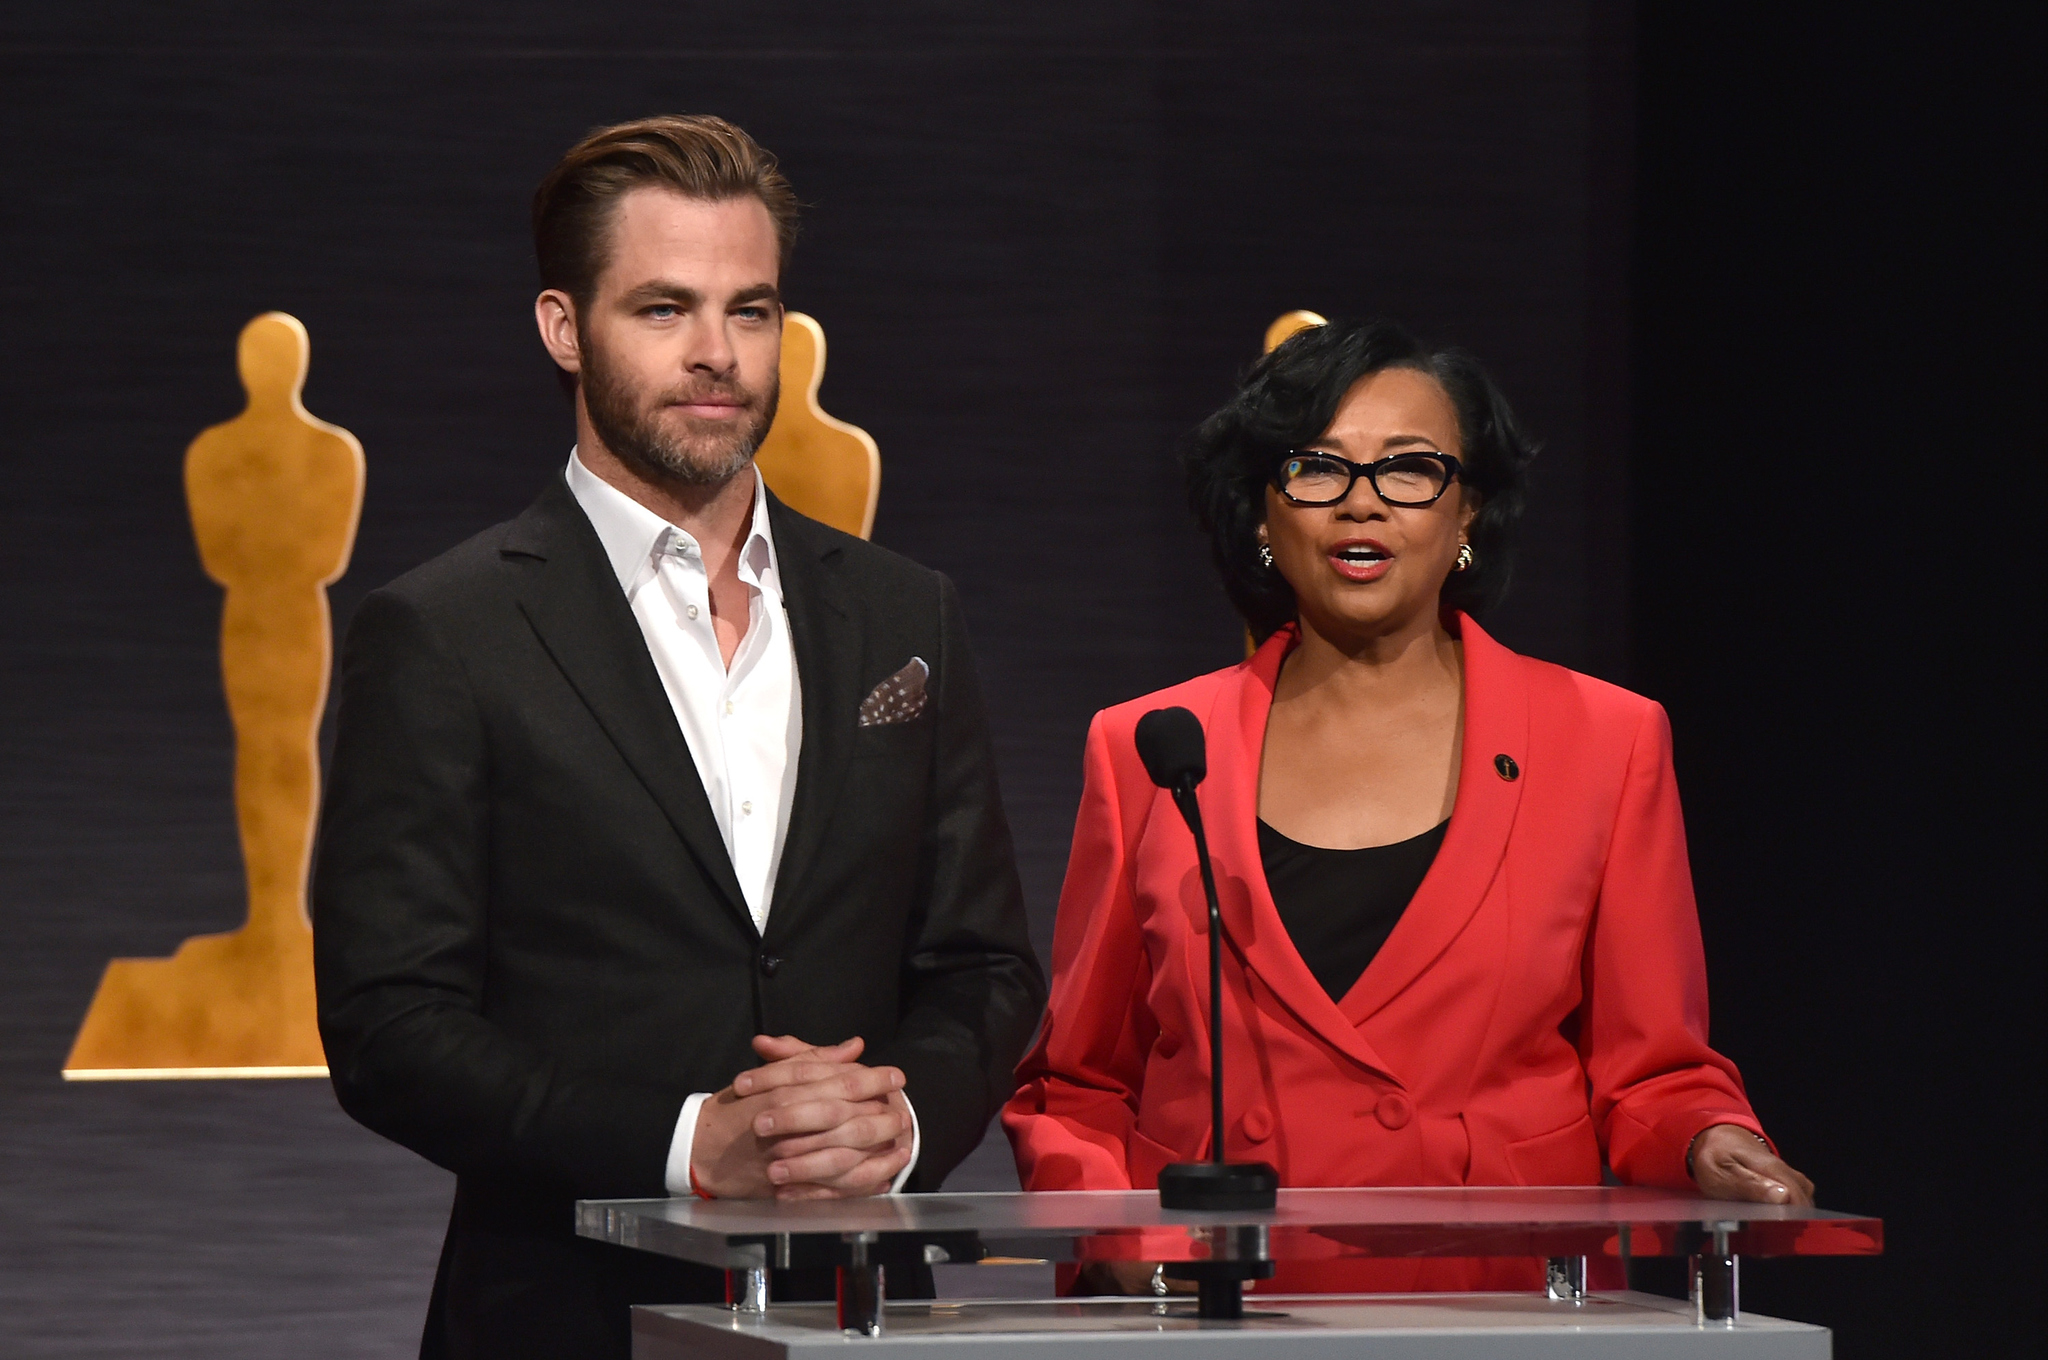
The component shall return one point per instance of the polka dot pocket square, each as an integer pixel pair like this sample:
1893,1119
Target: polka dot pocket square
899,698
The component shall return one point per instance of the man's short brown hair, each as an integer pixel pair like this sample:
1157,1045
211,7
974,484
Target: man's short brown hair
696,155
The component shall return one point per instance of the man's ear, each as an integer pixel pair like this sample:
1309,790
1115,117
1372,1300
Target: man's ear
554,312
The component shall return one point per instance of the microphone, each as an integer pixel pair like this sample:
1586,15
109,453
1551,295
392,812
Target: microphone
1171,744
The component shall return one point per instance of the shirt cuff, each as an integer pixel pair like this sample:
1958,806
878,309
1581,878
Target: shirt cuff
916,1146
681,1142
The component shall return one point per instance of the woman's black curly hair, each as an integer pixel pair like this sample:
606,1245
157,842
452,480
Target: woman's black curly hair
1289,398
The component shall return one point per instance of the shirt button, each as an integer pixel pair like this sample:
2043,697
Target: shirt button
746,809
691,611
728,708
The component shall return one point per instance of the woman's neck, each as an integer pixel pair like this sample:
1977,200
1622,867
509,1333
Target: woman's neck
1362,743
1376,669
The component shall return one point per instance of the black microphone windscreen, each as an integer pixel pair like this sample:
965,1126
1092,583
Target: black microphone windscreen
1170,743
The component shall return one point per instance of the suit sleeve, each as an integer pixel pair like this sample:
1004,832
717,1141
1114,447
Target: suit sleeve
1643,1036
1075,1109
399,894
972,986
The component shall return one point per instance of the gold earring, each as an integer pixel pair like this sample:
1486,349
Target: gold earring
1464,557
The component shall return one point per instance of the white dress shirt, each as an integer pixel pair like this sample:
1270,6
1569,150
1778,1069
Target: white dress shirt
743,722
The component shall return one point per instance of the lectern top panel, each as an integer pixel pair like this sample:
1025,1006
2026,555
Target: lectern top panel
1306,1224
1060,1211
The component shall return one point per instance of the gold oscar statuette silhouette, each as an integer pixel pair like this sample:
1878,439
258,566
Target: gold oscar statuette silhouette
274,495
819,466
1285,326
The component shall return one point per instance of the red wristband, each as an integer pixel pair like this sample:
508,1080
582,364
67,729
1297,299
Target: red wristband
699,1191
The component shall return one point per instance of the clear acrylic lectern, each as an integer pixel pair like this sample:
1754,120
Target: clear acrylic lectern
1565,1225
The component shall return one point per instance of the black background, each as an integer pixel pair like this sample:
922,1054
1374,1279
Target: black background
1766,284
1837,486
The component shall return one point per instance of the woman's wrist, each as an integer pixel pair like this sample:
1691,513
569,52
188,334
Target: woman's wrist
1692,1148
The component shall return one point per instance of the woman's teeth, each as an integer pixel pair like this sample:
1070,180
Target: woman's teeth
1360,555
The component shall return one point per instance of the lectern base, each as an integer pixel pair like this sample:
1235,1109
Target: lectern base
1291,1327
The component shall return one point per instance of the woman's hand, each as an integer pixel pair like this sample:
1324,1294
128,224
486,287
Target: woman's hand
1730,1162
1126,1277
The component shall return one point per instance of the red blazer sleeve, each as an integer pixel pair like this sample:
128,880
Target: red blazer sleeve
1643,1031
1075,1108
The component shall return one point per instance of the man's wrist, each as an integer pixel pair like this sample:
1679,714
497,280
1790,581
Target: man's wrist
680,1176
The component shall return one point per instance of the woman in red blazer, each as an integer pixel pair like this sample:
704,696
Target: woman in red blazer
1381,769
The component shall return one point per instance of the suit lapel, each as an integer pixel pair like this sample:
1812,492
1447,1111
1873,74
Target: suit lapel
825,633
1483,815
571,596
1236,730
1496,724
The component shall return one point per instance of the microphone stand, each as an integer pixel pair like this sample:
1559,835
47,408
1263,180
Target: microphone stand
1218,1184
1184,797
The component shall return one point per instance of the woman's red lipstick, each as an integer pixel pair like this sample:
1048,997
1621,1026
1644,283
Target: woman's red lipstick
1361,559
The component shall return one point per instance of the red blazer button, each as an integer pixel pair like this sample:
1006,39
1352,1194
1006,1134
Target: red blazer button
1394,1110
1169,1044
1257,1124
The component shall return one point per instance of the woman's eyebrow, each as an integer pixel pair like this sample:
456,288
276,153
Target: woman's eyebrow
1335,443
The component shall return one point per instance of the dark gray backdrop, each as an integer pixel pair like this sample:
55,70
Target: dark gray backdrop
1041,243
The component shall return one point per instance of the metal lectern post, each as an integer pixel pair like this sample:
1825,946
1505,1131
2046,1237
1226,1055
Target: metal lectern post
1564,1278
746,1291
1715,1283
861,1290
1235,1254
1221,1299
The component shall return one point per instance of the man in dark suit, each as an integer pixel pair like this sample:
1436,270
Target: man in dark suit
662,849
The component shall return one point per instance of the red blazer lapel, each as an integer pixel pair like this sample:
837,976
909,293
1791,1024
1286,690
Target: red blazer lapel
1236,729
1489,794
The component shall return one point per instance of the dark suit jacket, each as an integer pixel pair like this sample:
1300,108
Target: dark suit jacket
531,945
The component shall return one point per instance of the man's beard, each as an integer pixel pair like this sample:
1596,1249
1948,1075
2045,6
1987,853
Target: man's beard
706,455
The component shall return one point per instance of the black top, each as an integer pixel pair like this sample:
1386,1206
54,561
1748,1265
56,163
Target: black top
1339,906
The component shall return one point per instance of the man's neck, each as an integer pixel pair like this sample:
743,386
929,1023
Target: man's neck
718,517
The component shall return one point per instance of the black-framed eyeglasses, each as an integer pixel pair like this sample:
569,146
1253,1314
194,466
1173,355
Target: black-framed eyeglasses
1404,479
